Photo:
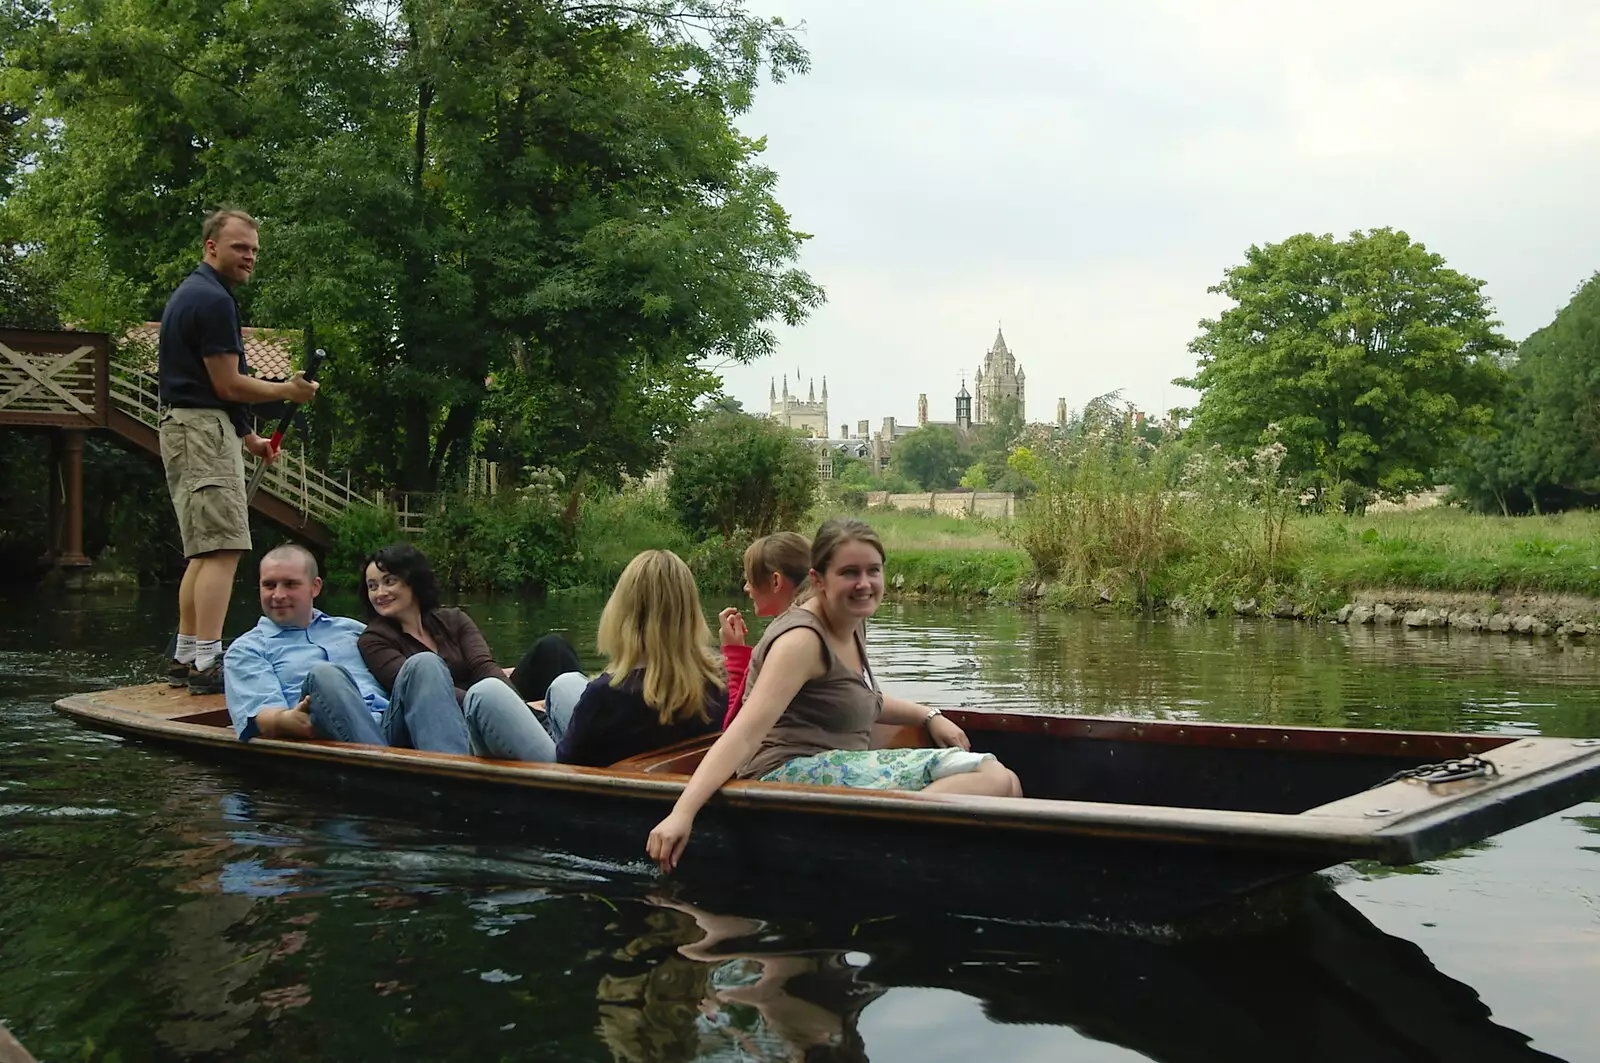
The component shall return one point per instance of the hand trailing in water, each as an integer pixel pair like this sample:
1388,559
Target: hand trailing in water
731,628
668,839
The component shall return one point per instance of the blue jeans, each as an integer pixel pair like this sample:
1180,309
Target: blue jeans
502,726
561,699
422,712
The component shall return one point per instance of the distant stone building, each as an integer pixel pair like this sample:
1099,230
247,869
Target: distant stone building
809,418
1000,378
963,422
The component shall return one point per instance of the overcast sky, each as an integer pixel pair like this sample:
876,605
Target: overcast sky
1083,171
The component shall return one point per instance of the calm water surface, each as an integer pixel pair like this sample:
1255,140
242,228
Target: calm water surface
154,907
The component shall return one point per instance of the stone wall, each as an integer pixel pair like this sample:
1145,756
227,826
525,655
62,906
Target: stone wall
950,503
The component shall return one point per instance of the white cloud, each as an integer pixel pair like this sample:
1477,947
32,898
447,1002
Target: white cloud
1083,171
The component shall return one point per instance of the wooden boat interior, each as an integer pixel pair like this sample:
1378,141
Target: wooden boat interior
1244,767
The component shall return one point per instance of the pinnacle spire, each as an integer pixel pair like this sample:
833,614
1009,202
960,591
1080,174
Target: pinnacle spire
999,346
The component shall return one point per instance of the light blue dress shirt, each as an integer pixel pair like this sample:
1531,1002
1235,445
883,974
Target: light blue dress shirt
267,665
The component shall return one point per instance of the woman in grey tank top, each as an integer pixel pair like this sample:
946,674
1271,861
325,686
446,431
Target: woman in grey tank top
811,701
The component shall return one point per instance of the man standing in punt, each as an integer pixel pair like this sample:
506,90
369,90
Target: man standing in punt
298,674
205,392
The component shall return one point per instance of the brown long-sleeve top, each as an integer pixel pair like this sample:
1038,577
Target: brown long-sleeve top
385,647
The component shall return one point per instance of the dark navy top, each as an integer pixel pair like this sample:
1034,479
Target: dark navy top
201,319
612,723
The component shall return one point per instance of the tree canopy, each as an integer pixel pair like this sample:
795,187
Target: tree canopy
520,227
932,456
1546,454
1370,359
733,472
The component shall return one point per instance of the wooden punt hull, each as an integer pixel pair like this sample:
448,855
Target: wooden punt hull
1124,817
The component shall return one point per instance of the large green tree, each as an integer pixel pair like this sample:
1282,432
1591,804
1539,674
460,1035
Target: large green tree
934,456
732,472
1374,361
1546,454
520,227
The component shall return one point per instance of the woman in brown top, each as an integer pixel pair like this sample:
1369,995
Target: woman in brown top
812,702
444,650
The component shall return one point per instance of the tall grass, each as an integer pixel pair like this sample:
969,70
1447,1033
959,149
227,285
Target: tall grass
1117,517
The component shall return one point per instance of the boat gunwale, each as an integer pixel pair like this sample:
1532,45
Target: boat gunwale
1393,838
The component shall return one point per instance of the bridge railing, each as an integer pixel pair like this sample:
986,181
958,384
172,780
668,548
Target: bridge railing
52,378
135,391
74,380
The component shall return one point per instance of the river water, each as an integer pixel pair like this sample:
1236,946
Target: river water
156,907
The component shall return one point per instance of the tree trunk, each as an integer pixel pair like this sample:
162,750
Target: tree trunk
415,426
456,430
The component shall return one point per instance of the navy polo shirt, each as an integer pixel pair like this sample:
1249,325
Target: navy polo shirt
201,319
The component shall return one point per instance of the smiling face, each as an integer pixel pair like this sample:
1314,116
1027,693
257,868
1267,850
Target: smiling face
853,584
232,252
287,590
390,595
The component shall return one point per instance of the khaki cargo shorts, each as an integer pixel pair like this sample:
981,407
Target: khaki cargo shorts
205,476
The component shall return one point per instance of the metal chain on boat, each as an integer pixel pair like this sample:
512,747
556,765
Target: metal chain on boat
1470,766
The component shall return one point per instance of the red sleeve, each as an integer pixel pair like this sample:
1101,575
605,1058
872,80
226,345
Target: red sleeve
736,659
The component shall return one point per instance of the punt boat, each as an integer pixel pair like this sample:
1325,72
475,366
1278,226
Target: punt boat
1123,818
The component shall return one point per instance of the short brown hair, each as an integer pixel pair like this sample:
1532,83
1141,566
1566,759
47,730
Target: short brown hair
834,534
288,550
783,552
218,218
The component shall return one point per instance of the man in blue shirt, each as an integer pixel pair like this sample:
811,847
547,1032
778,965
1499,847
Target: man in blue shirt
299,674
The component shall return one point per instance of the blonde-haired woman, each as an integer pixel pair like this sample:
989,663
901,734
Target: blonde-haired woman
662,682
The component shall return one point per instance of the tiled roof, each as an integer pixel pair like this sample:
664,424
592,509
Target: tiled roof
267,350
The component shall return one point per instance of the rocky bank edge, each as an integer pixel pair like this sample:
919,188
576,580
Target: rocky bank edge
1560,615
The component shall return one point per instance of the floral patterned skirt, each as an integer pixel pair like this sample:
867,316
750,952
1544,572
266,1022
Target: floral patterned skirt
877,769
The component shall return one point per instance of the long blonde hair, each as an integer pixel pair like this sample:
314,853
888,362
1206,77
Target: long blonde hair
653,621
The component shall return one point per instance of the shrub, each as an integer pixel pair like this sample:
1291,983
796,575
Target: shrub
614,526
734,472
1116,516
718,563
513,542
357,532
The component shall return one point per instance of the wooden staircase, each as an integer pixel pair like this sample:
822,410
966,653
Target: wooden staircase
73,383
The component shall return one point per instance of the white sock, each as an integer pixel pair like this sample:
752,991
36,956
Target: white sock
206,654
186,647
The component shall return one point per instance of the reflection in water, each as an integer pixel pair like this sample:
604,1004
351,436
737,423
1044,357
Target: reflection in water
1303,976
712,991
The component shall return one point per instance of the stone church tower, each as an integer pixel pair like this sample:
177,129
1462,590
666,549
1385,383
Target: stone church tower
1000,378
808,417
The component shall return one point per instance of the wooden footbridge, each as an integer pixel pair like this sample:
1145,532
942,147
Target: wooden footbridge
72,383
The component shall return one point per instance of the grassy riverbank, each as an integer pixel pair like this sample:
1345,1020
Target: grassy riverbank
1320,561
1326,559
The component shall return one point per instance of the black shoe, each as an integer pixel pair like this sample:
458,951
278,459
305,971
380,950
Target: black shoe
208,681
177,673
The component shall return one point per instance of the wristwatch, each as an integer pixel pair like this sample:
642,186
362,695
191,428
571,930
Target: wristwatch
927,721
